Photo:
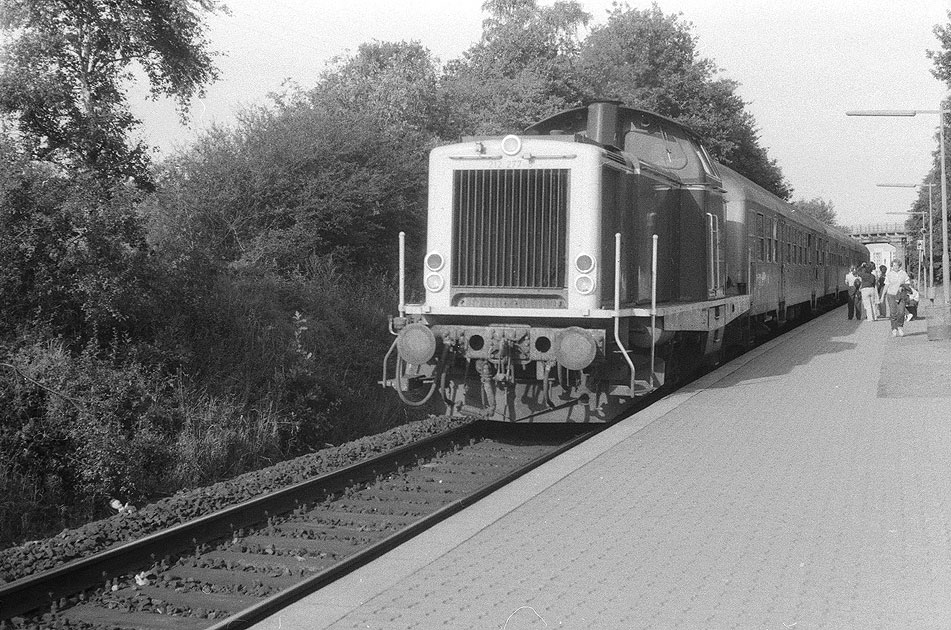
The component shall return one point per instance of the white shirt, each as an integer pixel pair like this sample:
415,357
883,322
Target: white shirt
894,280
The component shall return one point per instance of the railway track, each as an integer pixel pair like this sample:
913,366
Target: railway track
237,566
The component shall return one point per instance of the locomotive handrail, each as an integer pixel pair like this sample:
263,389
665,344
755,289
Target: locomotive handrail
653,304
402,306
617,307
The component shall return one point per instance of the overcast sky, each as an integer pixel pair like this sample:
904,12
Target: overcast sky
801,65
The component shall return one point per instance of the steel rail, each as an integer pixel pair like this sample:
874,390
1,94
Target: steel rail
43,589
273,604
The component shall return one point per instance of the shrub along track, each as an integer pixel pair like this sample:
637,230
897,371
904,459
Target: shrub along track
241,564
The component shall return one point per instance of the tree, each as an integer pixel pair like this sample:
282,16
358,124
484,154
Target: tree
649,60
819,209
520,72
942,58
66,64
335,170
76,263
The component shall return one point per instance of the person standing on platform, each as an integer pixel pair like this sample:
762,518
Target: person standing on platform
852,282
911,302
867,289
882,303
894,280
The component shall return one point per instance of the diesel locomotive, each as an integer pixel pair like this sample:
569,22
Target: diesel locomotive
591,259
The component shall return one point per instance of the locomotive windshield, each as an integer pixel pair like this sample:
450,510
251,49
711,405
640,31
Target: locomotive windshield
653,144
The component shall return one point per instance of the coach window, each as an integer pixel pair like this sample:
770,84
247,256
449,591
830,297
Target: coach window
771,237
763,248
783,239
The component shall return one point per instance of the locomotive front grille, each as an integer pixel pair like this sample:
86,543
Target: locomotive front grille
509,228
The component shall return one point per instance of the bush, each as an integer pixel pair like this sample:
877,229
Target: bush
78,430
307,346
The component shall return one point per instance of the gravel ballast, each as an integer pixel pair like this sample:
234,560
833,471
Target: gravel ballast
42,555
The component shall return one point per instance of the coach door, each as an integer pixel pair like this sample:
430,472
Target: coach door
781,260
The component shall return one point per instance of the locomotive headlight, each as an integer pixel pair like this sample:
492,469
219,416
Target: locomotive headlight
435,282
584,263
416,344
435,261
585,284
511,145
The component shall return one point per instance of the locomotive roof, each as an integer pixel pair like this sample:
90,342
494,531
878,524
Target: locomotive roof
574,121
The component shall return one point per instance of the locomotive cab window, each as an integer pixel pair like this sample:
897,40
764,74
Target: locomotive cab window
646,140
707,161
684,154
661,145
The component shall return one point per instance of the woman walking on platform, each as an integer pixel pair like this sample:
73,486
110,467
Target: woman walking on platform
894,280
867,288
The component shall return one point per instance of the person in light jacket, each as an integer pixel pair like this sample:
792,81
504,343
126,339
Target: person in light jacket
894,280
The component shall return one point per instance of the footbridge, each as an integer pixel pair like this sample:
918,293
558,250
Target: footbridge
894,234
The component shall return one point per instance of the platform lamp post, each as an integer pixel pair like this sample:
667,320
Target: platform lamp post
929,225
940,325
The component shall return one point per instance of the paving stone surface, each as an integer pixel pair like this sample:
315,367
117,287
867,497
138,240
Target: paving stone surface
808,488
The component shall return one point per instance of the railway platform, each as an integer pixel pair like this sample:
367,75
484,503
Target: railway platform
804,485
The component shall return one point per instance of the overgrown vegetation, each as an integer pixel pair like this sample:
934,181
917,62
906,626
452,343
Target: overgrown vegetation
169,325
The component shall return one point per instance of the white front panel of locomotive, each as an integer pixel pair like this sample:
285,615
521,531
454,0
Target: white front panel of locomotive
583,161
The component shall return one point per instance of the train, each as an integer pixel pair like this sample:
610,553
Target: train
593,258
